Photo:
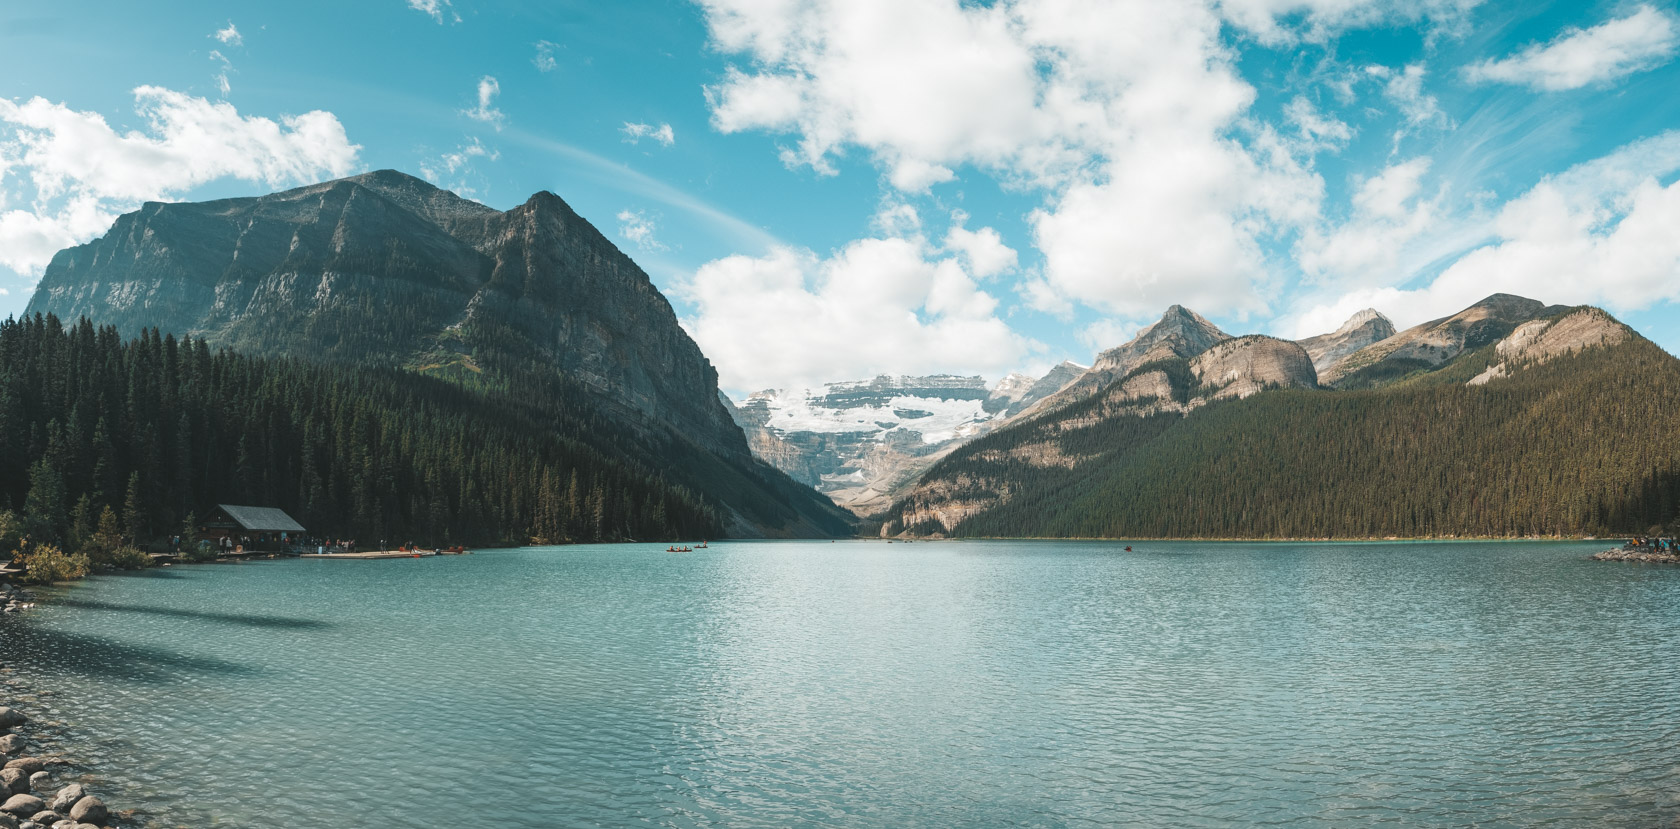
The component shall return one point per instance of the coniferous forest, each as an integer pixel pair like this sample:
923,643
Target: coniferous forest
1584,445
159,430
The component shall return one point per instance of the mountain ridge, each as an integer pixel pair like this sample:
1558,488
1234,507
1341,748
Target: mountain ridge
385,269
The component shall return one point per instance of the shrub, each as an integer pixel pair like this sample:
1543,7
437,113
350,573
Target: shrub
202,551
45,563
130,558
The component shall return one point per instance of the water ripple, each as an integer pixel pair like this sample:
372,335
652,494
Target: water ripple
860,685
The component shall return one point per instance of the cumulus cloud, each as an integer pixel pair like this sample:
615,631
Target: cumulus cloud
1124,115
982,249
486,111
229,35
634,133
1600,233
1581,57
636,227
83,172
1388,213
435,8
792,319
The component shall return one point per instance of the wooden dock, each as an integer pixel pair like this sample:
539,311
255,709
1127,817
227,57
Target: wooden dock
373,554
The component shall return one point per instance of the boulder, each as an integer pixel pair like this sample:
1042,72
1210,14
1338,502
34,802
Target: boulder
12,743
22,804
14,781
46,817
90,809
8,821
10,718
28,765
67,797
40,780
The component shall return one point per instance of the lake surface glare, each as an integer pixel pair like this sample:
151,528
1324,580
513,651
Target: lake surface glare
862,684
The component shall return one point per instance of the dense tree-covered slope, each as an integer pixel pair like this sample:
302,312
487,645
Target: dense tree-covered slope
374,453
1569,424
528,306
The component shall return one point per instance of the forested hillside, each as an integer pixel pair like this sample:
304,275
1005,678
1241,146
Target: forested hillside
531,307
1583,441
159,429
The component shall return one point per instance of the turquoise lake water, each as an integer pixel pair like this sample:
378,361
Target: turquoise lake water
862,684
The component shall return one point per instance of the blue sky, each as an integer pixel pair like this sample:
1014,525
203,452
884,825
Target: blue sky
831,190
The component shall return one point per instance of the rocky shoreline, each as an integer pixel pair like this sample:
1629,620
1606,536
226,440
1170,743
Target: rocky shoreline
35,796
33,791
1647,555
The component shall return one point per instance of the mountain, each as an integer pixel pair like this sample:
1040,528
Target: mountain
1362,329
861,442
1180,333
385,270
1429,345
1510,418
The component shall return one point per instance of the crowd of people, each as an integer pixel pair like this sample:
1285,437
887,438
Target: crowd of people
1661,545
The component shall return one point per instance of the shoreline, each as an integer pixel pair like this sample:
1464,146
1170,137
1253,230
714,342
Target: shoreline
1643,555
42,784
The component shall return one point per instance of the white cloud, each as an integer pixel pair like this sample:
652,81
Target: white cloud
1601,232
544,61
982,249
1581,57
222,82
488,89
1123,115
1317,131
448,165
634,133
1387,215
883,305
1278,22
229,35
636,227
83,172
435,8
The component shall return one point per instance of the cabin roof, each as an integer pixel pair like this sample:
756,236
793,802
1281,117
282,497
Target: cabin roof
262,519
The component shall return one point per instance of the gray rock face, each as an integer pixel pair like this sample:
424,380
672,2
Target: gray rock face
384,261
1435,342
1180,334
1364,328
385,269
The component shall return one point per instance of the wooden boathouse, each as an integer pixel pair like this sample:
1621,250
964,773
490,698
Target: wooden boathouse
257,529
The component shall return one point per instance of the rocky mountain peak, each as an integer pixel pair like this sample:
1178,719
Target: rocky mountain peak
1368,317
1363,329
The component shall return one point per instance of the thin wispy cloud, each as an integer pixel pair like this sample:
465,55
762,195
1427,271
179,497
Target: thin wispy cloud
544,61
486,111
1582,57
435,8
662,133
635,226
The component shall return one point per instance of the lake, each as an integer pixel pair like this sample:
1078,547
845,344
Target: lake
865,684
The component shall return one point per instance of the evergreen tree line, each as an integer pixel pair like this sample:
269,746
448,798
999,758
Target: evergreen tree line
1584,444
155,431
